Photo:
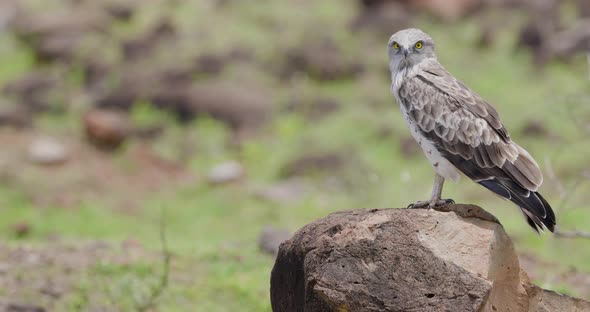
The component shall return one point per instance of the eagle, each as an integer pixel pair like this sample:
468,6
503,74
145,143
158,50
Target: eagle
460,132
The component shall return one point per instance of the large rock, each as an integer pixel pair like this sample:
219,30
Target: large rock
407,260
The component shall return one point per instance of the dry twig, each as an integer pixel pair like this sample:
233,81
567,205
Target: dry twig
158,289
571,234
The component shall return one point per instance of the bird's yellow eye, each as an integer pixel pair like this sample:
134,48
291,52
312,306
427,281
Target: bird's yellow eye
418,45
396,45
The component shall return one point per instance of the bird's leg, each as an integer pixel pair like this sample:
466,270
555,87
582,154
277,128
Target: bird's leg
435,200
436,189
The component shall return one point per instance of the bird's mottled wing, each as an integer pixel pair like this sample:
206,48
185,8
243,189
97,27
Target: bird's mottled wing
438,77
468,132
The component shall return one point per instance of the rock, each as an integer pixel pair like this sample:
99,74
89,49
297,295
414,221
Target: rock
33,89
406,260
209,64
142,45
384,16
33,82
19,307
47,151
322,60
9,11
122,10
106,129
21,229
270,239
61,47
372,3
95,71
583,8
225,173
543,23
57,36
491,24
66,21
574,40
447,10
240,107
120,98
314,163
532,37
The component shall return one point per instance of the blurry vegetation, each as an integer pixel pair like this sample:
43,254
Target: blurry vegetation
294,91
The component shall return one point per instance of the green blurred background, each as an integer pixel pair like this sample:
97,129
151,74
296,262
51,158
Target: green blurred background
226,125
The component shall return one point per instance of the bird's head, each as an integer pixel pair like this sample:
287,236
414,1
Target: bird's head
409,47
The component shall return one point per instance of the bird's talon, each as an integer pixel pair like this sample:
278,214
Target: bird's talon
423,204
442,202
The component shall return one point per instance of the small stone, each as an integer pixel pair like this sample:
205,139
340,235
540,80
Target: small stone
271,238
106,129
47,151
21,229
225,173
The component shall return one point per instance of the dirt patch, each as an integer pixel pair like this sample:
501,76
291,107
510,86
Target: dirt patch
46,278
88,174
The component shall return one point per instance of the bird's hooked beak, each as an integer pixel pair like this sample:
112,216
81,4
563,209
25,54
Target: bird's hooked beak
405,62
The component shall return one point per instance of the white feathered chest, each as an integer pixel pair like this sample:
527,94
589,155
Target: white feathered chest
440,165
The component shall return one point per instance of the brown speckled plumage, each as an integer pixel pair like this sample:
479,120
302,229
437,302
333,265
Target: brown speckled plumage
467,132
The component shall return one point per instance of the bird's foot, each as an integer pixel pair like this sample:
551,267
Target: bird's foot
428,204
422,204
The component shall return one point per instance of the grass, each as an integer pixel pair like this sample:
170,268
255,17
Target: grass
212,231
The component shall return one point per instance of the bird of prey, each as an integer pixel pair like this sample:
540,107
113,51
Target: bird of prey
460,132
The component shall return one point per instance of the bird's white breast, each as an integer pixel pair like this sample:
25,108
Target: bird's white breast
440,164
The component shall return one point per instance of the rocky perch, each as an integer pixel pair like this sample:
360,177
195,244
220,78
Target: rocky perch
407,260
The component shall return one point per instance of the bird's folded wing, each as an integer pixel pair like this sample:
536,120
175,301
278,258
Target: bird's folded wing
466,129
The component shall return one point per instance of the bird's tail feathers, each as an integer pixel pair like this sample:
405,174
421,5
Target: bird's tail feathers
535,208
